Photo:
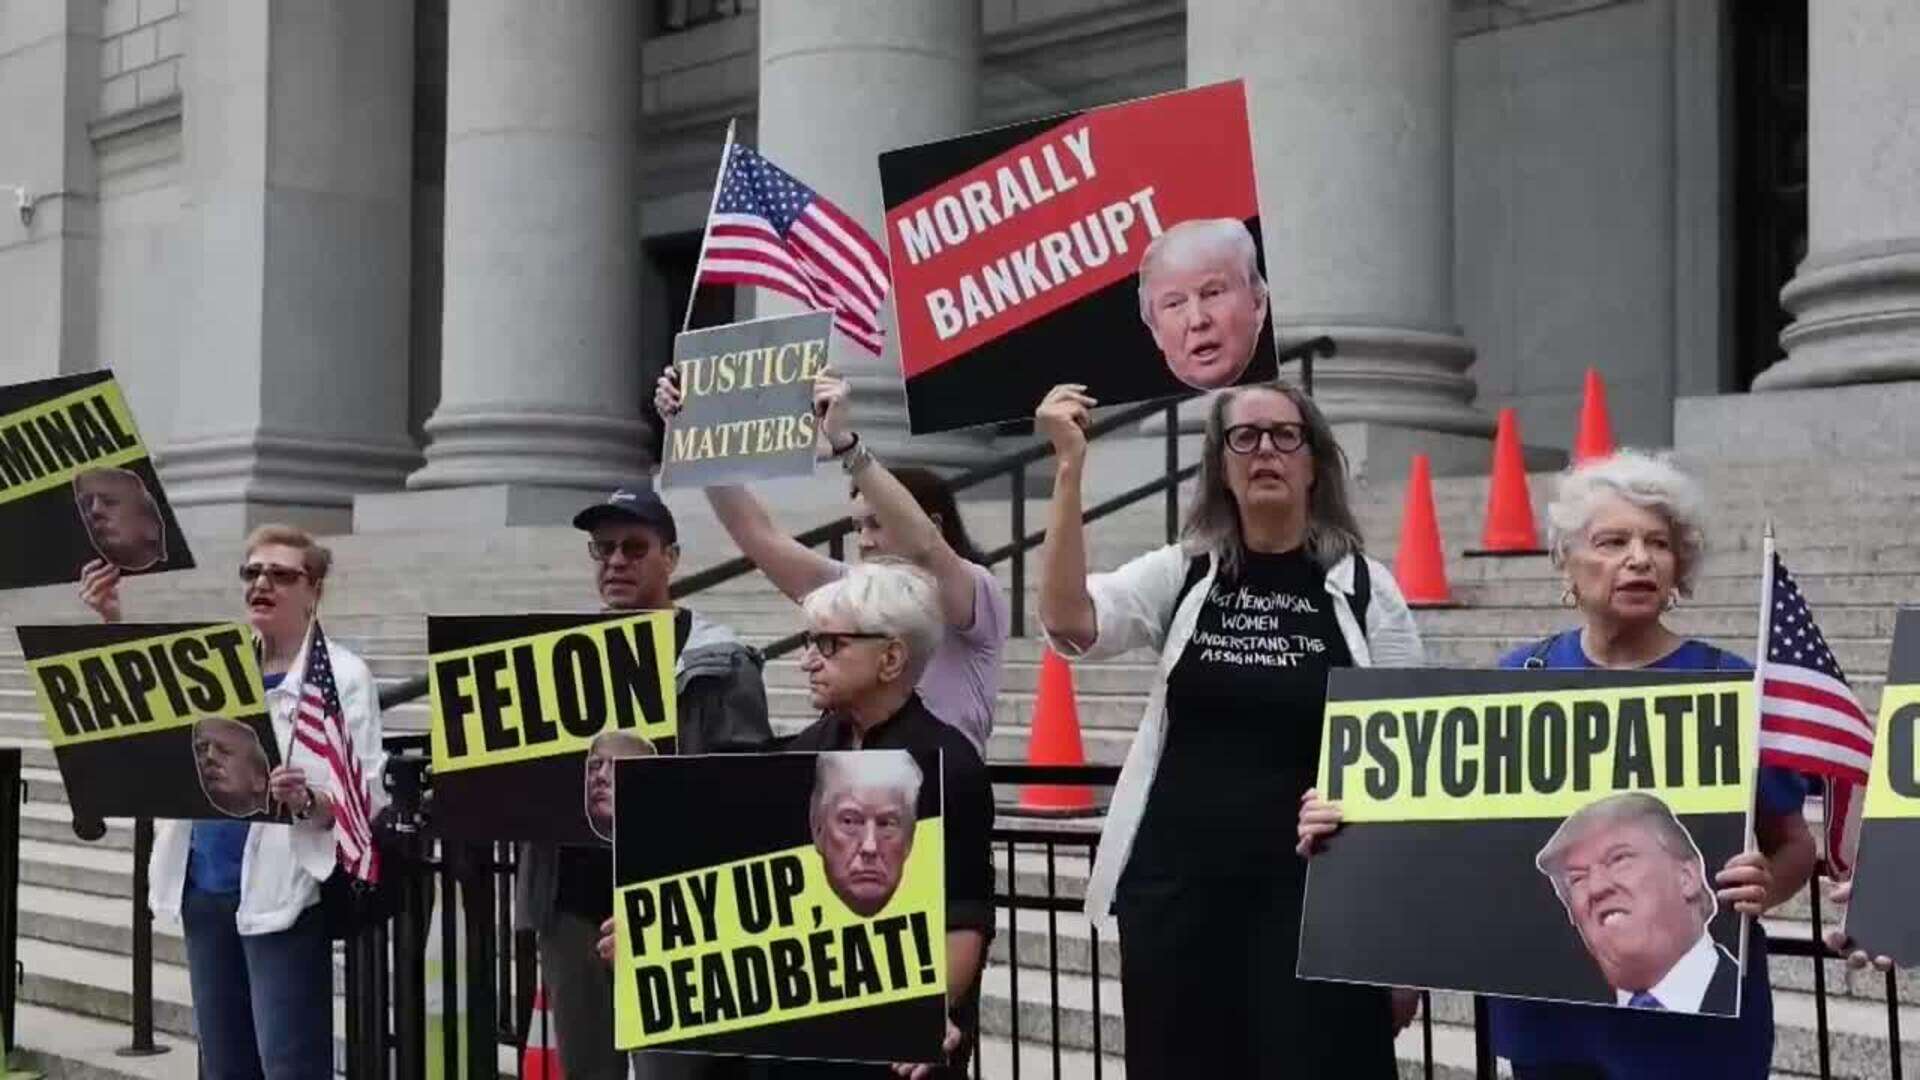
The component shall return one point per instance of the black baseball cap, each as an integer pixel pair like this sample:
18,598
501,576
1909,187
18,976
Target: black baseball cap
638,506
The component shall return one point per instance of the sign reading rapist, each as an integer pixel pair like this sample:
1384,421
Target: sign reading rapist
746,401
1883,918
1535,834
156,720
1017,259
805,918
76,485
529,712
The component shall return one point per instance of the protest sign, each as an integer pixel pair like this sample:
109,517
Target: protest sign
76,485
1568,823
746,393
806,918
160,720
1016,255
536,706
1883,918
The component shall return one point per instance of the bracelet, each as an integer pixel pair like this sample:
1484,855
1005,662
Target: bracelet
306,812
848,449
858,457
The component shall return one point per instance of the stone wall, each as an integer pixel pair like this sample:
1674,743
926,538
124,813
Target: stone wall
141,45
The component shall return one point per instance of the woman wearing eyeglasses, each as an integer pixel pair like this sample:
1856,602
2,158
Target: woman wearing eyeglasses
1267,589
259,962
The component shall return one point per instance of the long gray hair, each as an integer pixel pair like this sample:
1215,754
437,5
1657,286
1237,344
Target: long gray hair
1213,517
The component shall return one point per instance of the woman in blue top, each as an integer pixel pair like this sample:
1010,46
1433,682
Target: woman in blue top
1626,532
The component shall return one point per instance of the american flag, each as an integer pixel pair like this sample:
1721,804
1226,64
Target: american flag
773,231
321,726
1810,721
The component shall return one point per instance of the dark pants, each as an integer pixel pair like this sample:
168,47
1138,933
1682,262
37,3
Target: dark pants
1207,976
262,1005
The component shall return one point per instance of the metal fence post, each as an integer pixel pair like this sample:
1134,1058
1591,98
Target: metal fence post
12,793
143,1044
1173,467
1017,568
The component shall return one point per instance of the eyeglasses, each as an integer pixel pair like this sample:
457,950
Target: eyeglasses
281,576
633,550
826,642
1285,438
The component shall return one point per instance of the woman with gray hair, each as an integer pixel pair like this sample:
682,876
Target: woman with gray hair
1267,590
1627,533
870,634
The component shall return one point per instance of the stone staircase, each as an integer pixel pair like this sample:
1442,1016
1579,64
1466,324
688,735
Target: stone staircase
1843,532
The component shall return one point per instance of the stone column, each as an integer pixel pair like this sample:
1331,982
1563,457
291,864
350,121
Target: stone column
299,152
541,382
1856,297
49,92
1352,113
840,82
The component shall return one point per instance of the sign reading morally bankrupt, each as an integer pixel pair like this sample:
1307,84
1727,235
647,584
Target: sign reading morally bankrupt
1571,822
1117,247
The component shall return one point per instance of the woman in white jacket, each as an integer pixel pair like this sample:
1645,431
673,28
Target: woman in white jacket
1267,590
258,956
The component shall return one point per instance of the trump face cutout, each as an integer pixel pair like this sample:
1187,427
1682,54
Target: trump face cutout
232,766
1204,301
121,517
606,748
862,816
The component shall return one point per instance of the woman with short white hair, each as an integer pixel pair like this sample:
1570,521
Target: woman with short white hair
1628,532
870,634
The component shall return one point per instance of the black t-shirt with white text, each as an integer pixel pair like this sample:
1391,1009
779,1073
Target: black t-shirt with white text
1244,707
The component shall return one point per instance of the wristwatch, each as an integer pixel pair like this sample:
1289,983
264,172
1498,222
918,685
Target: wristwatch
856,458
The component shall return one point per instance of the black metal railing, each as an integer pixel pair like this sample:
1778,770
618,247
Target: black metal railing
12,795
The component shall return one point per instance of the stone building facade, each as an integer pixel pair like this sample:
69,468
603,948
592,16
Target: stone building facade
377,263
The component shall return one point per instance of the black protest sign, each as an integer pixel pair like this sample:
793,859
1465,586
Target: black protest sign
1019,259
804,918
1571,824
746,401
530,710
76,485
160,720
1884,918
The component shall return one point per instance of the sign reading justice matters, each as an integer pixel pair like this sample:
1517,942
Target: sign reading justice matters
746,401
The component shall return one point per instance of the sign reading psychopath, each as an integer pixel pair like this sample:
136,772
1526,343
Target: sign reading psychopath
805,919
538,706
1117,247
165,721
1571,822
76,485
1886,876
746,401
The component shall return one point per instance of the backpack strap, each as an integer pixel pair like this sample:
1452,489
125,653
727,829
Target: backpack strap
1537,658
1362,597
1196,571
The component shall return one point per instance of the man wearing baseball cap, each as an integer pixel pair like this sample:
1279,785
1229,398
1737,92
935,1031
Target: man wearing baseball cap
563,893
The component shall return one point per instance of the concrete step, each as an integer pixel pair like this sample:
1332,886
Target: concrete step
66,1045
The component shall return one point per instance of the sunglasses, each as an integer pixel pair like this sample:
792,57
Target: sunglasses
633,550
281,576
1246,438
826,643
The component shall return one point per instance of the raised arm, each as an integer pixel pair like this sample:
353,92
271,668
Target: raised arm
794,569
1066,608
916,536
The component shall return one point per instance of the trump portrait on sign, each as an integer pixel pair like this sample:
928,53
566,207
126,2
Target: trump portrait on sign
1636,889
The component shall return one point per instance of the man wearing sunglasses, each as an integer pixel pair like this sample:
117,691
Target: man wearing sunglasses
564,893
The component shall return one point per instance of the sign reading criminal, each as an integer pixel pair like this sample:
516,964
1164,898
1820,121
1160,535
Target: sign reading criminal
76,485
1117,247
165,721
746,401
1883,918
538,705
1575,820
806,919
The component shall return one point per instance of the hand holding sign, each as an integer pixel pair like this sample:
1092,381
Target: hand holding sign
1319,820
1745,881
1063,417
1839,893
100,589
831,404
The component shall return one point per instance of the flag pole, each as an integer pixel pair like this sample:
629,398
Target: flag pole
706,227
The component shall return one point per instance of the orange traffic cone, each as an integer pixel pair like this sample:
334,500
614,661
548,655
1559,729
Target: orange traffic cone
1421,566
540,1059
1595,436
1509,529
1055,740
